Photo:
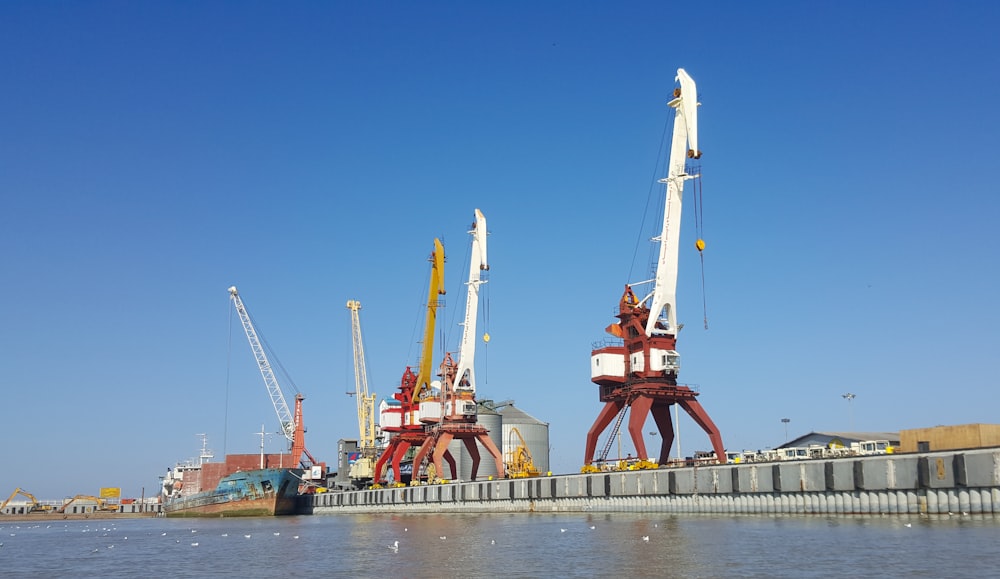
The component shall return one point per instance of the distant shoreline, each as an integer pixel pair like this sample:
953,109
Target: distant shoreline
50,517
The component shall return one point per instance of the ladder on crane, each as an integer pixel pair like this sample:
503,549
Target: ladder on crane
614,432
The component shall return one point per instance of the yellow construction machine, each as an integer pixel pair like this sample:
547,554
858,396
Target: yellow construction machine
34,507
101,504
520,464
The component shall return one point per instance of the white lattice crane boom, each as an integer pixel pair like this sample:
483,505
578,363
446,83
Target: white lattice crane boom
285,418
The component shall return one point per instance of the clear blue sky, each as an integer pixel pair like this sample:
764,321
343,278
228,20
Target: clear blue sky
153,154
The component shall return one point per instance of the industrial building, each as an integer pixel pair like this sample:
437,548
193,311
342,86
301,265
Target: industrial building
840,439
959,437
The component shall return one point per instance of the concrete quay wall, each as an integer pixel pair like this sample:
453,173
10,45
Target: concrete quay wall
928,483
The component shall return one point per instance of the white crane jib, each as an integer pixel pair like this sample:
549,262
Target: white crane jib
277,398
366,402
465,374
684,145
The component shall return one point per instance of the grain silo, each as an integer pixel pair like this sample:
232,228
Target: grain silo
534,432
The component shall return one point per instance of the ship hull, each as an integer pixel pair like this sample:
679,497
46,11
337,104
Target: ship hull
255,493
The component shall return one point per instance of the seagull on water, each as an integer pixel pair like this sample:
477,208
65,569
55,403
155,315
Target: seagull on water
194,544
247,536
225,534
908,525
394,547
592,527
276,534
442,537
645,538
562,530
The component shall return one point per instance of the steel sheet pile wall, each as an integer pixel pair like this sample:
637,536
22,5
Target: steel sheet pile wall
944,482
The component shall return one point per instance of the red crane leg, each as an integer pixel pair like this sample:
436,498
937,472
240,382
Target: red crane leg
440,447
385,456
494,452
607,414
473,450
451,464
418,459
401,449
638,411
693,408
661,415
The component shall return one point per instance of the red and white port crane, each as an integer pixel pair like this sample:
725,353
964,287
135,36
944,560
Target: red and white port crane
459,419
416,403
640,374
292,426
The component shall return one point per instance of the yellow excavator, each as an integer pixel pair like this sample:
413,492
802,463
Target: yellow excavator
520,465
102,505
35,505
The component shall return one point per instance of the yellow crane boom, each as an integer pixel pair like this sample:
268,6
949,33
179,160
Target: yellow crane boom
423,387
366,401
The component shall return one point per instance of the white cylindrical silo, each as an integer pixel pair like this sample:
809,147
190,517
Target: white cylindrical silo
493,422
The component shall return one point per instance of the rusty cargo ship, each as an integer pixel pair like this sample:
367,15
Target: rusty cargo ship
241,485
259,492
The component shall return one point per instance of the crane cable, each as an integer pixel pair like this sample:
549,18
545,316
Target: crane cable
484,305
667,127
229,364
699,224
